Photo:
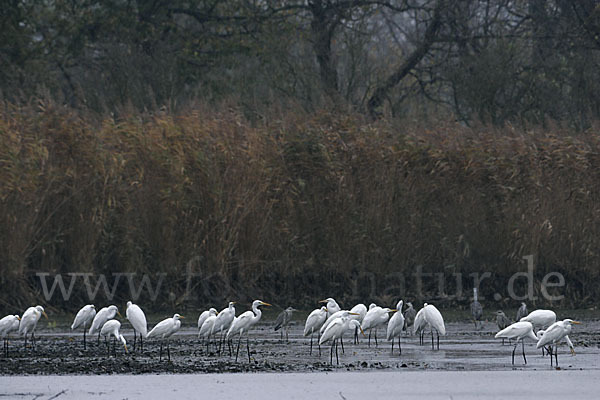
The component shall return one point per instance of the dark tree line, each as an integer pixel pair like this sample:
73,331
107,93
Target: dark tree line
487,60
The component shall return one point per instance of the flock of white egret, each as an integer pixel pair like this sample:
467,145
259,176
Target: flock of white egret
330,322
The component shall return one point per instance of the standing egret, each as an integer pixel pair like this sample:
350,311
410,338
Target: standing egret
395,326
204,315
409,316
476,310
419,324
336,331
207,328
376,317
519,330
540,318
101,317
332,306
314,322
223,322
554,334
434,319
7,325
137,319
243,323
164,330
502,321
84,317
361,310
29,321
112,327
521,312
283,320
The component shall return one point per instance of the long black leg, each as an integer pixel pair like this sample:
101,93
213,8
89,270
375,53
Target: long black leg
319,342
141,343
399,345
355,335
342,342
248,347
33,340
556,354
392,346
513,353
134,339
331,353
160,352
168,351
523,346
337,359
311,340
438,340
376,344
370,337
84,345
238,347
432,347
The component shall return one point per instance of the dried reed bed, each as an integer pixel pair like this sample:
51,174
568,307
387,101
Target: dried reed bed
292,208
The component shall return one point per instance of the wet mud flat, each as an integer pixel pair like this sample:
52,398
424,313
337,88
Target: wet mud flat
60,352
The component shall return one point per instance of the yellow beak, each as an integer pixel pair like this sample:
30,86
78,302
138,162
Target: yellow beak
576,322
353,313
119,314
182,317
323,301
361,331
393,310
44,314
126,351
265,304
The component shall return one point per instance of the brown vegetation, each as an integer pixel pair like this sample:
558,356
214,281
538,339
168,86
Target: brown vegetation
294,208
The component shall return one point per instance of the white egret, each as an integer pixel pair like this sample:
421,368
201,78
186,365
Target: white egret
419,324
409,316
476,310
332,306
207,328
204,314
314,322
361,310
330,319
164,330
137,319
395,326
283,320
540,318
554,334
244,323
7,325
434,319
84,318
223,322
112,327
521,312
519,331
376,317
502,321
336,331
29,321
101,317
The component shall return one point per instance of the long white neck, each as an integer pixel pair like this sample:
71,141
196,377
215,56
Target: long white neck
257,313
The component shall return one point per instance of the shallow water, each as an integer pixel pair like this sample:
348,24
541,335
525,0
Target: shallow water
431,385
60,352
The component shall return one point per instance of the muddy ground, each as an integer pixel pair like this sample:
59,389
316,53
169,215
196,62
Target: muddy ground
60,352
